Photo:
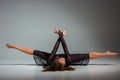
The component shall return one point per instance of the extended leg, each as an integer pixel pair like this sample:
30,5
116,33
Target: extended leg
94,55
23,49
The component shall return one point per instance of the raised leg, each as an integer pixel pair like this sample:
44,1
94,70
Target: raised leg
94,55
23,49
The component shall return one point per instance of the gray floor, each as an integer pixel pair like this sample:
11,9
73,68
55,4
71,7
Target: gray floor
99,69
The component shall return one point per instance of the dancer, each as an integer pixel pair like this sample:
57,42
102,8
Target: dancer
61,62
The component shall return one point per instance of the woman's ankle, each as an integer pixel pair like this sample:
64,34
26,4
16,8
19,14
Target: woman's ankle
108,53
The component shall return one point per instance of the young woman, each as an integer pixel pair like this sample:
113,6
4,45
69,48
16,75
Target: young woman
61,62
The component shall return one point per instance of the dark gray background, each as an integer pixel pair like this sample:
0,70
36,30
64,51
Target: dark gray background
92,25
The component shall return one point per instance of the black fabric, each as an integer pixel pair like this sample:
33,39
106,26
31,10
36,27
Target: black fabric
81,59
67,54
77,59
43,55
66,51
50,57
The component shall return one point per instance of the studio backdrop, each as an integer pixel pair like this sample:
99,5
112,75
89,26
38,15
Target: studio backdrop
91,25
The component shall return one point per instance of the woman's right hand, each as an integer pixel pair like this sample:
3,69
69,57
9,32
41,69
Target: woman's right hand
57,31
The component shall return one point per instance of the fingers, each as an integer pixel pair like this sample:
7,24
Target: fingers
57,31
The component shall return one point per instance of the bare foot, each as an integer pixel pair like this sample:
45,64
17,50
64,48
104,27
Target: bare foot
108,53
10,45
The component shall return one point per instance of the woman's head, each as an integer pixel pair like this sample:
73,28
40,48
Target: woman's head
60,61
58,65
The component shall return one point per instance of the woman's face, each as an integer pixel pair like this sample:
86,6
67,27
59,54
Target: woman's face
61,60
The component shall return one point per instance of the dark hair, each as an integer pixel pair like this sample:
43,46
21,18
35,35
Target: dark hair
57,66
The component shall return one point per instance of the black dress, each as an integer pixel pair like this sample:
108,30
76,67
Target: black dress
81,59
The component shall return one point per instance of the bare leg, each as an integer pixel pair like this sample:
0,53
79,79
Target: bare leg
94,55
23,49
